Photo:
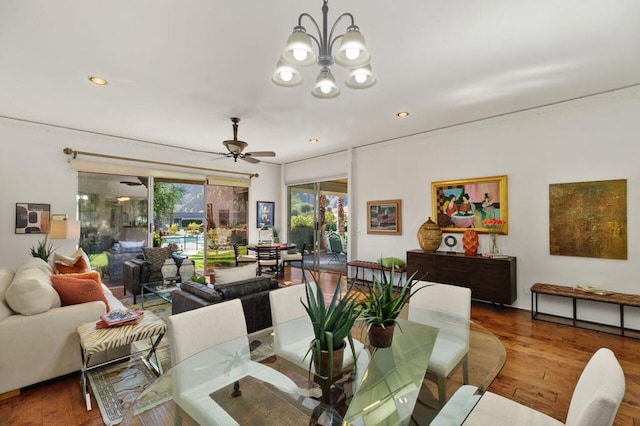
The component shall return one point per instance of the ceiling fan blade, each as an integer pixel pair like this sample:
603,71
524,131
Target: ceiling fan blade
250,160
261,153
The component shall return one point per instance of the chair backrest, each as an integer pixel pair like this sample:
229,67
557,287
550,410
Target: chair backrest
236,252
599,391
193,331
286,306
335,243
441,297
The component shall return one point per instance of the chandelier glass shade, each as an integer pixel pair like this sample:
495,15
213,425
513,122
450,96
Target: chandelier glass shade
352,53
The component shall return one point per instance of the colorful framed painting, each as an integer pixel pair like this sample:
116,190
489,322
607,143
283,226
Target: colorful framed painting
384,217
588,219
265,214
32,218
478,203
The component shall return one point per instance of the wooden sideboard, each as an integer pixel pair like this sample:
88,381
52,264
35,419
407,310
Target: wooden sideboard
490,279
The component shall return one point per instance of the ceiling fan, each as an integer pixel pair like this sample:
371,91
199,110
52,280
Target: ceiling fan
236,147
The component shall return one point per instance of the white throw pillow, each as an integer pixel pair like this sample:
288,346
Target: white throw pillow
231,275
6,277
36,262
31,293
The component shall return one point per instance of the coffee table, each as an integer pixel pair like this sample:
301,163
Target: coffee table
159,288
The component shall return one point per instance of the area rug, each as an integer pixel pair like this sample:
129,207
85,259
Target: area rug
116,387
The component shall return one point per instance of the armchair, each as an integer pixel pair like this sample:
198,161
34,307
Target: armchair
146,269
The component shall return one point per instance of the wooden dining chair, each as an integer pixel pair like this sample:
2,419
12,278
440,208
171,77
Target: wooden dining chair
242,259
287,258
268,258
450,349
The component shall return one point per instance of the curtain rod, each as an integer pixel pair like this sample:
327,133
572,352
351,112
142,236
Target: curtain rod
75,153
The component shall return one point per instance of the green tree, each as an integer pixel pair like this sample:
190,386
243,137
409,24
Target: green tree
165,197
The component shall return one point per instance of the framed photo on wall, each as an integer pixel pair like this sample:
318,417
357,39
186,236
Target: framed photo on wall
478,203
32,218
265,214
384,217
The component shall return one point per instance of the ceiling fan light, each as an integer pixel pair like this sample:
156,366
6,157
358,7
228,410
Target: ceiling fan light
234,146
325,87
360,78
286,75
353,52
298,52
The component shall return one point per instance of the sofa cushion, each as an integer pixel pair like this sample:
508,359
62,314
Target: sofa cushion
131,246
31,293
36,262
6,276
392,262
246,287
74,291
238,273
202,291
156,256
76,263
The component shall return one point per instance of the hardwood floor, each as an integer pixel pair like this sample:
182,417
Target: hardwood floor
544,361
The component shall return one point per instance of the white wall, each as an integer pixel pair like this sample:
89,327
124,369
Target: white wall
35,170
590,139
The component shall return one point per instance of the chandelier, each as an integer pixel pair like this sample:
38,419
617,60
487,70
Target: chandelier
352,54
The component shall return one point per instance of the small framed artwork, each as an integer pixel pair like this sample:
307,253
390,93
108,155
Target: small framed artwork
478,203
384,217
32,218
265,214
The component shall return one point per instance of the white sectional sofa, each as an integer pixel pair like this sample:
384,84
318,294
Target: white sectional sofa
38,339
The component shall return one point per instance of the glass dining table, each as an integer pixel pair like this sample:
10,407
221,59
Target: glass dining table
222,385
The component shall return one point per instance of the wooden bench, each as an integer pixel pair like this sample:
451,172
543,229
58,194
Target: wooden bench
373,266
620,299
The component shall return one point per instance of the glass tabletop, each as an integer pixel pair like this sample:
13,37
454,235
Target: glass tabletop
385,386
163,289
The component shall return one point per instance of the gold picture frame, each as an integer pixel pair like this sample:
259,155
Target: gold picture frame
458,205
384,217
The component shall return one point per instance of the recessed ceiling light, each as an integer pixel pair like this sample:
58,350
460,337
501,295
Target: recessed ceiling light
98,81
402,114
313,140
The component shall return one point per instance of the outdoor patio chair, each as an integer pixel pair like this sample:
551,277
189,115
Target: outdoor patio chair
337,252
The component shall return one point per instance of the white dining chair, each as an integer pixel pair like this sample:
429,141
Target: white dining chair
192,335
452,344
595,400
293,328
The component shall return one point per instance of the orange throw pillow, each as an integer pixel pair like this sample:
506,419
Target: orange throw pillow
93,275
74,290
80,265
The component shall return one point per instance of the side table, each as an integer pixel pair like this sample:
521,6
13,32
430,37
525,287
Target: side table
94,340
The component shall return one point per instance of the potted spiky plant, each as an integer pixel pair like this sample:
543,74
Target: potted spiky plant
43,249
332,324
382,305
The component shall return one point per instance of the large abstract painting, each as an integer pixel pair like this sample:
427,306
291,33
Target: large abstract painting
588,219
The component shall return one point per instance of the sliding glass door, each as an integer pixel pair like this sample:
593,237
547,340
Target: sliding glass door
318,214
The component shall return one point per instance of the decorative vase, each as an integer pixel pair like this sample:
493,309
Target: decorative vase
381,337
321,362
187,270
429,236
493,243
169,269
470,242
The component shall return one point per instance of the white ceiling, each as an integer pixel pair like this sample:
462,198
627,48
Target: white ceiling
178,70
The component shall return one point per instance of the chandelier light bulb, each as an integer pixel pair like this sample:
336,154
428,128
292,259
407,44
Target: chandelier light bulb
300,54
352,53
325,87
360,77
286,75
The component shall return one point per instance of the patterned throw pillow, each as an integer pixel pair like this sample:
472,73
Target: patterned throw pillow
74,291
156,256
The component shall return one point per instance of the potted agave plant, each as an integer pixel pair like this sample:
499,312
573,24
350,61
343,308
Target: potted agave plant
382,305
332,324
